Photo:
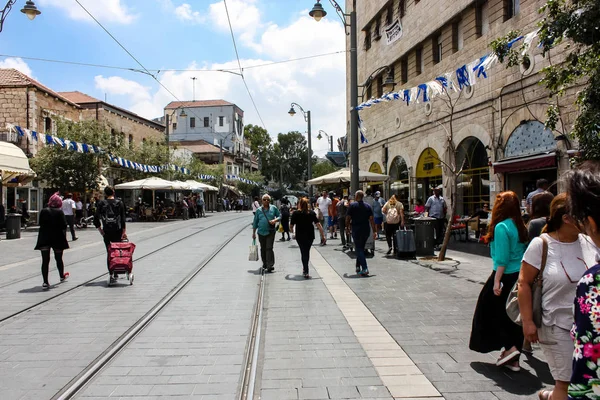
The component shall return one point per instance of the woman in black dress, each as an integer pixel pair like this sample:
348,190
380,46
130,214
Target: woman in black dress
52,235
303,220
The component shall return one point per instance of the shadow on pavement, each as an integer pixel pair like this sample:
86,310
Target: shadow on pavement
357,276
299,278
522,383
36,289
540,367
255,271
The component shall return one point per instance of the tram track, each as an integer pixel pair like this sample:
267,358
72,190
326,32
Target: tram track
103,275
248,373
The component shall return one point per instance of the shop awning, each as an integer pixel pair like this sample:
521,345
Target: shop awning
547,160
14,165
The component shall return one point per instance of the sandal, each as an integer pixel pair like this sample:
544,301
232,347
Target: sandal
514,366
544,394
503,360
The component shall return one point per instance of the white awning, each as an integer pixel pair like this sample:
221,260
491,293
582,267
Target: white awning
14,165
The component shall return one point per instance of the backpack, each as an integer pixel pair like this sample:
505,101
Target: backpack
392,217
111,216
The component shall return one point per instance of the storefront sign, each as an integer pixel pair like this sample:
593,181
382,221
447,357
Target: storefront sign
376,168
429,164
393,32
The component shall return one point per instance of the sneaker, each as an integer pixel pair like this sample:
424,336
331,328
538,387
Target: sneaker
389,251
365,272
113,279
358,269
289,239
74,239
45,286
271,269
306,276
282,240
65,276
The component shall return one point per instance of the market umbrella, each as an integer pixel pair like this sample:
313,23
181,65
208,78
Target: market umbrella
152,183
202,186
343,176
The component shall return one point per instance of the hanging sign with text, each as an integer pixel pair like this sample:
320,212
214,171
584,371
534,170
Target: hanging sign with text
393,32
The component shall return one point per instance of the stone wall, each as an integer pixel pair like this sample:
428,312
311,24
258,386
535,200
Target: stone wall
494,109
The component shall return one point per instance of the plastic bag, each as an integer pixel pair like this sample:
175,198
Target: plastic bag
253,256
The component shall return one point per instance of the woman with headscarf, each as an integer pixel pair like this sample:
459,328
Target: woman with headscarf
52,235
492,328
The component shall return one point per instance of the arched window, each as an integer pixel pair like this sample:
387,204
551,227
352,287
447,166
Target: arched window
474,182
399,181
529,138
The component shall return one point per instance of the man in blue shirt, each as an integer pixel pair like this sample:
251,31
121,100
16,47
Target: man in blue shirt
378,204
360,217
265,220
437,208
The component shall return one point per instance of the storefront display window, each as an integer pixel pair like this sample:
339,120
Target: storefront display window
474,182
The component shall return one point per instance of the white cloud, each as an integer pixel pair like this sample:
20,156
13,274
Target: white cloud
18,64
185,13
115,85
318,84
104,11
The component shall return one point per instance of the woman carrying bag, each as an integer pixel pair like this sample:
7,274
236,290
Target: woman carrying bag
567,254
492,328
265,222
52,235
302,225
394,220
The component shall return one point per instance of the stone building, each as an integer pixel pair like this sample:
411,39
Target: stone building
213,130
126,126
497,125
26,102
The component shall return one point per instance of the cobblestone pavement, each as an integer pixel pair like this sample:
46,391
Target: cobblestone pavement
43,349
400,334
428,309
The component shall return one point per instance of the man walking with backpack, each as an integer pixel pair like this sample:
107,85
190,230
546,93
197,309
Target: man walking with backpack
110,220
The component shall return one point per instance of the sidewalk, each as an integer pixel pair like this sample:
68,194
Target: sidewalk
427,307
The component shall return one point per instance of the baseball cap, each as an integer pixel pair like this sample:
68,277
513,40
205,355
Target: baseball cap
378,193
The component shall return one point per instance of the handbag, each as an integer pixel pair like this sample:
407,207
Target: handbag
253,256
512,302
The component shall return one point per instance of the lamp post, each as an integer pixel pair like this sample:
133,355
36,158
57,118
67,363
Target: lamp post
167,125
306,114
28,9
388,84
329,137
317,13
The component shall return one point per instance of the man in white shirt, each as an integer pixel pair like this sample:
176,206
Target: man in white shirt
69,208
323,203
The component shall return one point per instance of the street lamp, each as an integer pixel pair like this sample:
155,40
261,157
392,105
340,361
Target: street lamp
29,9
388,84
317,13
328,137
306,115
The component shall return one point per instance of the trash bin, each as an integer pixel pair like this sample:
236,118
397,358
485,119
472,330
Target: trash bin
425,236
13,226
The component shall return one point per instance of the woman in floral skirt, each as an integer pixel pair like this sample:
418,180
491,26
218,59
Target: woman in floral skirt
584,197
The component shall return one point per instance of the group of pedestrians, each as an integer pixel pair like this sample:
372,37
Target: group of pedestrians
358,223
58,215
559,250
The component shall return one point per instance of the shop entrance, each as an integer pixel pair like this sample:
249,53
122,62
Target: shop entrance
399,181
376,186
474,183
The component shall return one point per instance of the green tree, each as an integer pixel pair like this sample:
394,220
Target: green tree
261,145
69,170
323,168
571,26
290,153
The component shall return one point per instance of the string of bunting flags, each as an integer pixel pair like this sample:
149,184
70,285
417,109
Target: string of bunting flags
463,77
238,178
72,145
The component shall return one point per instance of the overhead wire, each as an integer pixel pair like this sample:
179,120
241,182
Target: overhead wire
66,62
240,65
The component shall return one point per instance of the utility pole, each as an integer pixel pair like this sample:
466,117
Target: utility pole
194,90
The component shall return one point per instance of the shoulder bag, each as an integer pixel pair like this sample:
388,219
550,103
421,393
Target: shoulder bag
272,228
512,303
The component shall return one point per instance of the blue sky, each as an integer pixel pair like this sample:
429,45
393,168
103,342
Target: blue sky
185,35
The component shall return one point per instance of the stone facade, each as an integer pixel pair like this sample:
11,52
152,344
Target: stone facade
490,112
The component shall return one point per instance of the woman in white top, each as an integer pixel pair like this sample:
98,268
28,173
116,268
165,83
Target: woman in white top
394,220
255,205
569,255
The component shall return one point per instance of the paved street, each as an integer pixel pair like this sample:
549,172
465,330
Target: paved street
402,333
